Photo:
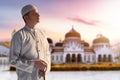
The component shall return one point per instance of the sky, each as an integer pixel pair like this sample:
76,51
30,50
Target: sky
57,17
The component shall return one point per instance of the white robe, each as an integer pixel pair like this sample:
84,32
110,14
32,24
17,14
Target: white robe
27,47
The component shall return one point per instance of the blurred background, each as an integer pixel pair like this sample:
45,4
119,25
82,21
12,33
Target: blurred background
83,35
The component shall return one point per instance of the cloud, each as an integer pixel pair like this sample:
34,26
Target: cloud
80,20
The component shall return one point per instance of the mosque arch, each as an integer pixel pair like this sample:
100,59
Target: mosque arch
68,60
109,58
79,58
105,58
73,58
99,58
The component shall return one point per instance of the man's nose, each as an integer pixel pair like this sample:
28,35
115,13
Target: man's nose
38,14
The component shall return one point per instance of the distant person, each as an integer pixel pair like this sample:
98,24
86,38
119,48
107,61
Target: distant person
29,50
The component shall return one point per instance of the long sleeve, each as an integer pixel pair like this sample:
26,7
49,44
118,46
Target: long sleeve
15,55
46,51
48,56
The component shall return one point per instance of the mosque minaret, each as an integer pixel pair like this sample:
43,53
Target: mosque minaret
14,31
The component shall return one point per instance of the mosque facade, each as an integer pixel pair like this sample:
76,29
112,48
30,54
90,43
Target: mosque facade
75,50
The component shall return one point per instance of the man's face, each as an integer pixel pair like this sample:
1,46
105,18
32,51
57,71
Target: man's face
33,17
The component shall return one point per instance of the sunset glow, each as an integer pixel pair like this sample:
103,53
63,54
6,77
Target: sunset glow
89,18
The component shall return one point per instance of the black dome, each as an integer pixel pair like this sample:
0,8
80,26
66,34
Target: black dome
59,44
72,33
49,41
86,44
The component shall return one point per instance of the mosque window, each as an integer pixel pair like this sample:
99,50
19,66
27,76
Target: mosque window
109,58
93,57
84,57
68,47
81,47
99,58
68,59
53,58
88,58
79,58
57,57
108,46
104,58
73,58
61,58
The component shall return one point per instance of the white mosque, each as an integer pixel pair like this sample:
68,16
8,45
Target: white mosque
74,50
4,53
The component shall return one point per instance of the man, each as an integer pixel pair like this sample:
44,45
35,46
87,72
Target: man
29,50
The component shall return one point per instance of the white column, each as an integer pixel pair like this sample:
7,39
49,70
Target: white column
96,58
82,55
64,57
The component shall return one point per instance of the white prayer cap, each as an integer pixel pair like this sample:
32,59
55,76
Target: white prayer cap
28,8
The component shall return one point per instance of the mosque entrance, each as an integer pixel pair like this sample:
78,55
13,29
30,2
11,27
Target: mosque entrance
99,58
79,58
105,58
74,58
68,58
109,58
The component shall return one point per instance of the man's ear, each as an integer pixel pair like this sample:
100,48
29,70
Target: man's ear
26,17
